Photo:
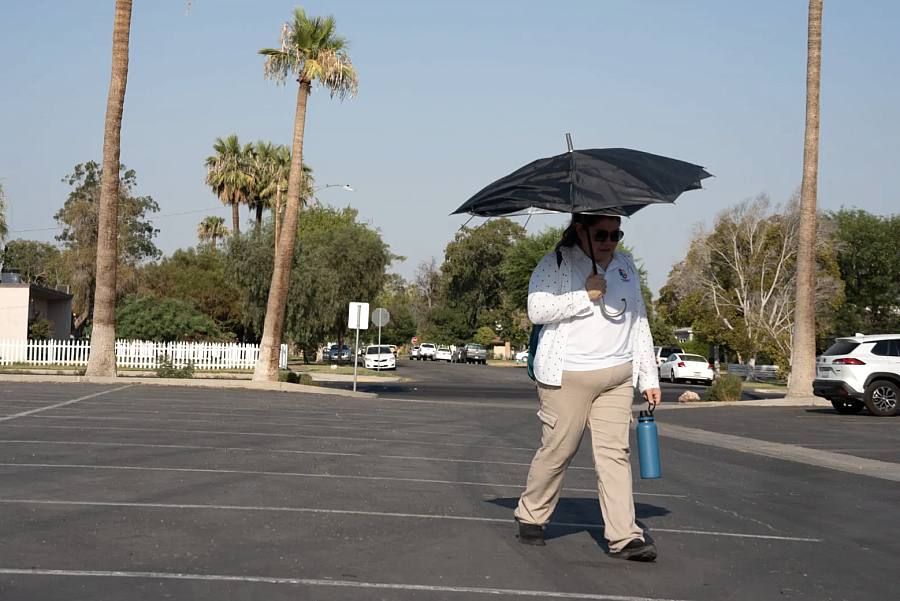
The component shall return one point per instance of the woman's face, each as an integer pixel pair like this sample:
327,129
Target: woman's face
601,239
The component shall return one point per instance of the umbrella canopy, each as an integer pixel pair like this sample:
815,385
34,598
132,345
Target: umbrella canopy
607,181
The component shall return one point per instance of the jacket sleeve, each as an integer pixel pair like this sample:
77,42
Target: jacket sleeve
648,375
547,301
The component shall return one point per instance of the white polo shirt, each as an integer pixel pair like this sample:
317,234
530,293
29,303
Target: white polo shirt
595,341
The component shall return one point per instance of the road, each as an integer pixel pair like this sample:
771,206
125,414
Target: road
143,493
440,381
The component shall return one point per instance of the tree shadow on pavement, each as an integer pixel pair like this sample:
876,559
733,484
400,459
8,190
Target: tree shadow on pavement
586,513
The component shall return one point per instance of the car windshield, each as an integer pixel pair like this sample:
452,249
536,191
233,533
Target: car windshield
693,358
444,349
378,350
841,347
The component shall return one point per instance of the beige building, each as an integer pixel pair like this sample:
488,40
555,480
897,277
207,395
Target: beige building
20,303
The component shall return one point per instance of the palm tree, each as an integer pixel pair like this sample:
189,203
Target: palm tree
212,228
102,360
313,52
228,174
281,176
803,348
4,227
264,167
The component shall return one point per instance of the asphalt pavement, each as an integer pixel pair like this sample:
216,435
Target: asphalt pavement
138,492
460,382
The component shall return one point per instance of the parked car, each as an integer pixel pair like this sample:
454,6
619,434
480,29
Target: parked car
414,352
380,357
664,352
687,367
427,351
474,353
456,356
861,371
522,356
334,353
443,354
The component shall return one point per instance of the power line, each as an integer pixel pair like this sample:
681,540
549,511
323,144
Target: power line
59,227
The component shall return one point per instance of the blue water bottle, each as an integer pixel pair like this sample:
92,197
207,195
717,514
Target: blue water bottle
648,445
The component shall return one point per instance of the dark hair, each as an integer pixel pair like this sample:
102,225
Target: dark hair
570,236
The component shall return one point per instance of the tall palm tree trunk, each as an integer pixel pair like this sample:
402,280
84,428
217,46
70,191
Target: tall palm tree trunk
259,212
214,236
803,350
235,217
102,361
270,346
277,218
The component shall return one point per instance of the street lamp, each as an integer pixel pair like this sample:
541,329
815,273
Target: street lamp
342,186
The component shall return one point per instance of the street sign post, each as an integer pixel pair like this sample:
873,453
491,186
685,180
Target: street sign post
380,317
358,319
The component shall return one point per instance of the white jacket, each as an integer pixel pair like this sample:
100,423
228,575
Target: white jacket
552,302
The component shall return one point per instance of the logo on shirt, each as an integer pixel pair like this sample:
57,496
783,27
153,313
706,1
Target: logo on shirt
624,275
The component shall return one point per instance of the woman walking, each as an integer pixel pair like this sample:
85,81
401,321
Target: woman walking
586,365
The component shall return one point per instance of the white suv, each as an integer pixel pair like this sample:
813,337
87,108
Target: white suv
861,371
427,351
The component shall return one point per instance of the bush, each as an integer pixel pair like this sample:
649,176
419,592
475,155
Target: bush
163,320
40,328
725,388
294,378
167,369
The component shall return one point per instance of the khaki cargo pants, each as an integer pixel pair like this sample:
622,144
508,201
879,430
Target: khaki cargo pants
600,400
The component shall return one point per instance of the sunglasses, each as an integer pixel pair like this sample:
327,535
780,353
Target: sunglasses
603,235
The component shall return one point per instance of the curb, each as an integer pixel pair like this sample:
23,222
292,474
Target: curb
188,383
776,402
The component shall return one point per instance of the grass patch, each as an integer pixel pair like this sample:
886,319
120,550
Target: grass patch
767,385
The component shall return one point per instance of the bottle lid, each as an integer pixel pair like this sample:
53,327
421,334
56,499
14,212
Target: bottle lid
646,414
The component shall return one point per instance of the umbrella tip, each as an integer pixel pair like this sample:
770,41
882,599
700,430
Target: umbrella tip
569,142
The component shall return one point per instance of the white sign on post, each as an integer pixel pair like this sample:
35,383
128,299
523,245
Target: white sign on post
358,320
359,316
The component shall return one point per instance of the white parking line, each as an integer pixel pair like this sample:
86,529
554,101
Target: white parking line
399,430
267,473
295,452
63,404
417,516
349,420
326,582
429,443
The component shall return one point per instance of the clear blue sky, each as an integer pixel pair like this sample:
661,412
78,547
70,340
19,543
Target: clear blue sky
453,96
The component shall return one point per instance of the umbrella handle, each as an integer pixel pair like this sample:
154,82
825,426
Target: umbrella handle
609,315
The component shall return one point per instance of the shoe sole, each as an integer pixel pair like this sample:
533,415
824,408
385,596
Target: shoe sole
534,542
648,553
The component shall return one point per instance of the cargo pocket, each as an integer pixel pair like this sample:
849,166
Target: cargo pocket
547,418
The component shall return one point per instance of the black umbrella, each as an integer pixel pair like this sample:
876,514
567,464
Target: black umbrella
605,181
602,181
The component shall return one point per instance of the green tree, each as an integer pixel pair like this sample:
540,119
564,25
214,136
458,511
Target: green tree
228,174
448,326
38,262
473,266
869,263
163,320
522,259
313,52
336,260
395,297
80,221
199,277
484,336
212,228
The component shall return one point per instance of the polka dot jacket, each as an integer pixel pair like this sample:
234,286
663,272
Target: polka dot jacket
552,302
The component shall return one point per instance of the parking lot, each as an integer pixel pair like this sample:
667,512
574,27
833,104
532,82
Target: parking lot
139,492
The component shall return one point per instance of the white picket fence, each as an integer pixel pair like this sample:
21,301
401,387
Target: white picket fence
136,353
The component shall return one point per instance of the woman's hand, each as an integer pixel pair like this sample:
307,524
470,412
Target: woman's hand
595,286
653,396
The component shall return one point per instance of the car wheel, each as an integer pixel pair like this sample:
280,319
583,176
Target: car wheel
847,407
672,379
883,398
